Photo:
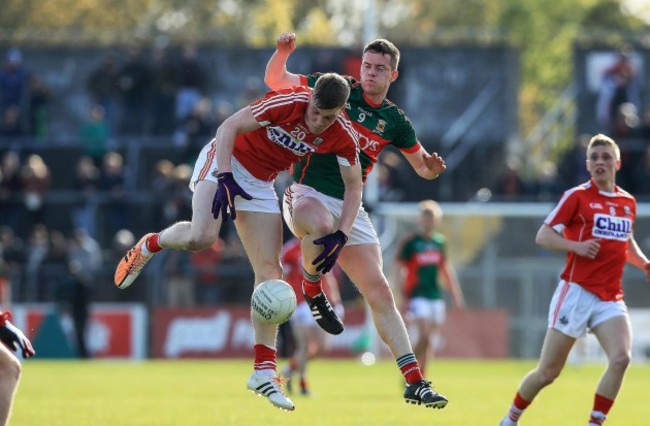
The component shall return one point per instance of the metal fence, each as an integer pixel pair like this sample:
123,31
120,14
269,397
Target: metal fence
498,263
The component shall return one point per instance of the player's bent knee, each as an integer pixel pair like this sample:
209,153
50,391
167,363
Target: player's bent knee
380,294
313,219
198,242
381,302
620,361
548,376
319,228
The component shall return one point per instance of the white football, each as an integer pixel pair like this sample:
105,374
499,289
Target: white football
273,301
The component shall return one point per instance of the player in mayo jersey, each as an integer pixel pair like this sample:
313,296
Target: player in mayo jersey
425,268
313,203
250,148
593,223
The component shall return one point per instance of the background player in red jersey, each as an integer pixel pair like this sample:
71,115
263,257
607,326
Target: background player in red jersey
593,224
425,267
250,148
310,340
312,205
10,369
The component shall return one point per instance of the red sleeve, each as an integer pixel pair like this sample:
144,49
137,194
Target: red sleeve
279,106
349,150
565,210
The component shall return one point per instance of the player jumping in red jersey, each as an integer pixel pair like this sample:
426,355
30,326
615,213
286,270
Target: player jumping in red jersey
250,148
592,223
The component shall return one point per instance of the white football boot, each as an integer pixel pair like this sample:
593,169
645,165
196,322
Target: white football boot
269,386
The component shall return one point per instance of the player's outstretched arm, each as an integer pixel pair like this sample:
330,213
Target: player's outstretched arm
276,75
427,166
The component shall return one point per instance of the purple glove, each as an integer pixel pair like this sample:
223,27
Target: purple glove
224,198
13,337
332,245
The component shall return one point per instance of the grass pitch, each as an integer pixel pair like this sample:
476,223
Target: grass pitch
344,392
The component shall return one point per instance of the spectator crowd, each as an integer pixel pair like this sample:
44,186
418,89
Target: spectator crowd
162,93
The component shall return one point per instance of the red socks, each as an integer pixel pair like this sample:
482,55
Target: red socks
602,406
153,244
409,367
264,357
520,403
312,289
517,408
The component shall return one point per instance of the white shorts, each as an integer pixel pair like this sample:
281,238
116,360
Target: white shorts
302,316
574,310
265,199
423,308
362,230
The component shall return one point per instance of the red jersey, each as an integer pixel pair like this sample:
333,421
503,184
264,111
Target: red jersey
585,212
285,137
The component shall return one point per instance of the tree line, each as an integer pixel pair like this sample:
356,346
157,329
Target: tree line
543,31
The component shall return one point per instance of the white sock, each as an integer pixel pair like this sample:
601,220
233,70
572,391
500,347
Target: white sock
144,250
267,372
599,417
507,422
514,412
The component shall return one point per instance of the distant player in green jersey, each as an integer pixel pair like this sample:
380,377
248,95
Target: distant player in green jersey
425,268
312,205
